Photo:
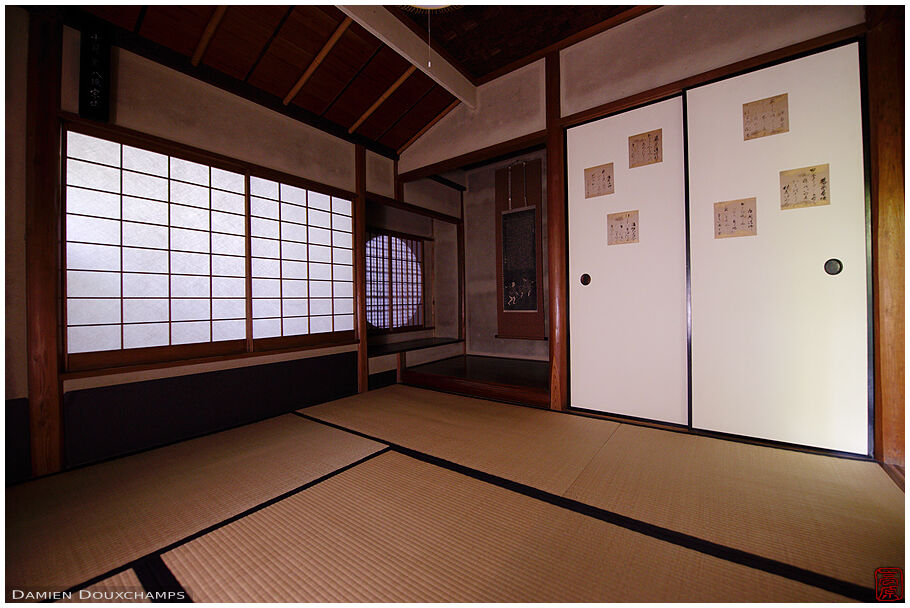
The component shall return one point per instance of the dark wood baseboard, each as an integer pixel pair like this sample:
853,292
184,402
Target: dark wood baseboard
896,473
520,395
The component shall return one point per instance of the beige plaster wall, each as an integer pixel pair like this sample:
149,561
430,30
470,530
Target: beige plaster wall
508,107
434,196
380,174
675,42
159,101
445,259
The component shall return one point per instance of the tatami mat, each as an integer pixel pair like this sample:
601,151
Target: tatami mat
107,590
834,516
397,529
66,529
538,448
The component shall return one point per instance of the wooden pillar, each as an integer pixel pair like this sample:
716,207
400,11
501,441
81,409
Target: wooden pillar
42,242
885,70
459,238
360,266
556,241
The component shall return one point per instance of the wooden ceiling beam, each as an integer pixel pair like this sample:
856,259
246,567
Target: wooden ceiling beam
318,60
382,98
208,34
395,34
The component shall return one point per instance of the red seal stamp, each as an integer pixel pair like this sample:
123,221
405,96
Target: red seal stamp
889,584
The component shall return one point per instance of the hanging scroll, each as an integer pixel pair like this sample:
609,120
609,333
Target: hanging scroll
735,218
806,187
646,148
622,227
764,117
519,268
599,180
519,260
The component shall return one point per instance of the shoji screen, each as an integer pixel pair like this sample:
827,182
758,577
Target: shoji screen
302,261
779,346
154,249
628,323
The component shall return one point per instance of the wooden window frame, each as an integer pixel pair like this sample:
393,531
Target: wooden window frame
520,325
423,312
114,360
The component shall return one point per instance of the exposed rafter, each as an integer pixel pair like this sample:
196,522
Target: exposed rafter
207,35
317,60
384,25
382,98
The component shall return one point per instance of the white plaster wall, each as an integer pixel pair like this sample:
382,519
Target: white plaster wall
380,174
159,101
16,68
508,107
675,42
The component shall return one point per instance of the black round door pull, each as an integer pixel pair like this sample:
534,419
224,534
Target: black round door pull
834,266
585,279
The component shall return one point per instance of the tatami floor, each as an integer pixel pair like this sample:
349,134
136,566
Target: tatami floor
404,494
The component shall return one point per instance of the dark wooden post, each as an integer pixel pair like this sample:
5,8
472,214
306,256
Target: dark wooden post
42,242
885,63
556,241
360,266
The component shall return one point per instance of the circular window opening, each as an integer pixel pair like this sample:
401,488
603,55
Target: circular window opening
394,283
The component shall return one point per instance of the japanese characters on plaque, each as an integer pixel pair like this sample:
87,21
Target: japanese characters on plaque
599,180
646,148
806,187
764,117
622,227
735,218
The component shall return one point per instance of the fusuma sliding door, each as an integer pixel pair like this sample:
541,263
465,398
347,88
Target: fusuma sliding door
627,264
777,220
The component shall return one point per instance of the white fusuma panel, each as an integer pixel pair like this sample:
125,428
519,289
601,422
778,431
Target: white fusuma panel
626,189
776,190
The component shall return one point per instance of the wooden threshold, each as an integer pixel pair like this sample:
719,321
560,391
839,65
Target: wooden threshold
508,393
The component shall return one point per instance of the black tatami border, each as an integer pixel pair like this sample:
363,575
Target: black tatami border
738,556
157,579
154,574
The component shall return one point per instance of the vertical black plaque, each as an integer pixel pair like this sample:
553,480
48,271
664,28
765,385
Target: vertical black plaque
95,75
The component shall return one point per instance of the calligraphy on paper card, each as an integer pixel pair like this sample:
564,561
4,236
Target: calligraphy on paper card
735,218
646,148
764,117
622,227
806,187
599,180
